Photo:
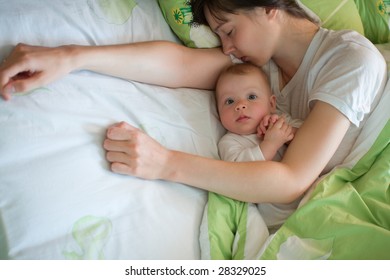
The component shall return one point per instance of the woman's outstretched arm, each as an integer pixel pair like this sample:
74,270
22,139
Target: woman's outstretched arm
156,62
132,152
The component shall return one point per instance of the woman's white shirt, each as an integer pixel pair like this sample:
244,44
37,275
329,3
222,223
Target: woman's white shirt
341,68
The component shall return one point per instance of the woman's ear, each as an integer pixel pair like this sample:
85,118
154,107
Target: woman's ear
272,102
271,12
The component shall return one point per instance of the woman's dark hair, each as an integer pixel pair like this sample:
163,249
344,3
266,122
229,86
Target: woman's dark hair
233,6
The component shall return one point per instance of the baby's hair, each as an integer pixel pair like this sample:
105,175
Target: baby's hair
243,69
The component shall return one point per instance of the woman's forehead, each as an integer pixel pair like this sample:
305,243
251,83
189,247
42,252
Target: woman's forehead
217,15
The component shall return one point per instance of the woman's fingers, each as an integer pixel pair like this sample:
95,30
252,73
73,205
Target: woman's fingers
117,146
22,82
118,157
16,67
122,131
121,168
133,152
29,67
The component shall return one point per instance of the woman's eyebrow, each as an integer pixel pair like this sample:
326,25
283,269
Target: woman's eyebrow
216,29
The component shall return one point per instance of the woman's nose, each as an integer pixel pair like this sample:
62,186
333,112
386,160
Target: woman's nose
227,46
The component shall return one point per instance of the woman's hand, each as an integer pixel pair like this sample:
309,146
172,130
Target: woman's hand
29,67
132,152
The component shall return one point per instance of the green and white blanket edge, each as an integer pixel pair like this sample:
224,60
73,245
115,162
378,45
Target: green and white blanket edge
344,216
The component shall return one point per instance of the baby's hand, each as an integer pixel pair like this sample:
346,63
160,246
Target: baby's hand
265,123
279,132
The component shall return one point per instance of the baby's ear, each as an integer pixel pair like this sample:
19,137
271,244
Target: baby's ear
272,101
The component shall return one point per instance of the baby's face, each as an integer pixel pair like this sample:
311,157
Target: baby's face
243,101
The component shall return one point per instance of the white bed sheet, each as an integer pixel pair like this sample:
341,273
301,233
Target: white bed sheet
58,198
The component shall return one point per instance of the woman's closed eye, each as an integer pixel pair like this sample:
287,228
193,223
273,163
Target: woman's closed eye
226,31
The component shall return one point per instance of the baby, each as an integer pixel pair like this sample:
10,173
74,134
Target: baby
247,109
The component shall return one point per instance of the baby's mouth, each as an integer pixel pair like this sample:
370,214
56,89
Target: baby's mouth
242,118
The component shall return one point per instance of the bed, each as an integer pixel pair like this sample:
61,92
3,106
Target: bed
59,200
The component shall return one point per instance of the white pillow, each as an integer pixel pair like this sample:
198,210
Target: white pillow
58,198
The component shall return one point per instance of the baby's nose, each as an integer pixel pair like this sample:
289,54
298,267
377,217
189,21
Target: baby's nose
240,106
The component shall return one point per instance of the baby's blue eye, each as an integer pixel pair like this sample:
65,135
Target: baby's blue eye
229,101
252,97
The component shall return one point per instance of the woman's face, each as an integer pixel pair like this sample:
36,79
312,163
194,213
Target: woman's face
249,36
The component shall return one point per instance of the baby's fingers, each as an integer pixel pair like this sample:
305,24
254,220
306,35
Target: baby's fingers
290,136
278,124
273,118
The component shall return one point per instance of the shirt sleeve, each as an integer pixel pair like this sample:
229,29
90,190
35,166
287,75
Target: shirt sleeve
236,148
293,122
350,79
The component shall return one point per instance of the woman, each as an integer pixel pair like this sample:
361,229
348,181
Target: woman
331,80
